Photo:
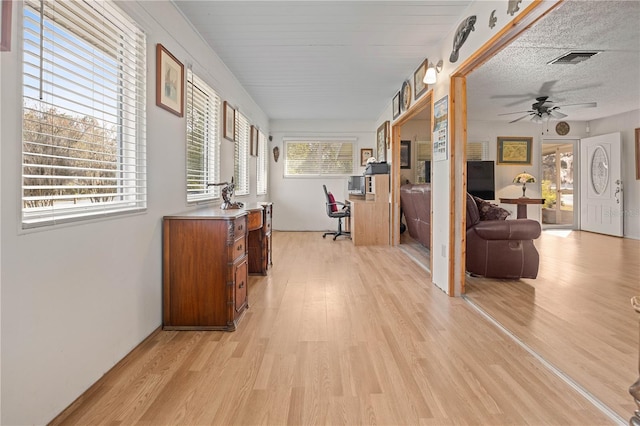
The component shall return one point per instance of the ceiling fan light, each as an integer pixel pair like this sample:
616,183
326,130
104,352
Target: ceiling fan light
430,75
536,119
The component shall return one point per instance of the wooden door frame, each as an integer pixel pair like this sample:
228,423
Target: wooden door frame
458,135
425,101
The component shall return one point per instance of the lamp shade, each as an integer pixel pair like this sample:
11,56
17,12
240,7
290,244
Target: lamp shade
524,177
430,75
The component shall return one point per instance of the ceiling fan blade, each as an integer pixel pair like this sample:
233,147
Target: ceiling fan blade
516,112
581,105
518,119
556,114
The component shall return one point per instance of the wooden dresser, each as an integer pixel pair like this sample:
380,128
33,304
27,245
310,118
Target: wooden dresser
205,269
260,242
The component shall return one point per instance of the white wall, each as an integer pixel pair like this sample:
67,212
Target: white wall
481,131
299,203
415,130
76,299
625,124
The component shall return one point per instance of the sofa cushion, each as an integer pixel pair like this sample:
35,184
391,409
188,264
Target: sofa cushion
521,229
489,211
473,215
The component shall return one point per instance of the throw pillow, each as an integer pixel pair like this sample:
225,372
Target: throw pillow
489,211
332,202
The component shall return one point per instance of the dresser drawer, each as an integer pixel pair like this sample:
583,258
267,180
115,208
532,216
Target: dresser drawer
254,220
267,219
238,249
239,227
241,280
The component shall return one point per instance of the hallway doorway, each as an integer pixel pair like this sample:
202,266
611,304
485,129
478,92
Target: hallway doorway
559,180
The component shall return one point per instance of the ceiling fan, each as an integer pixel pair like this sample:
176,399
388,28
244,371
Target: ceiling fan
544,110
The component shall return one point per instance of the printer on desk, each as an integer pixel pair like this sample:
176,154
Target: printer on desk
377,169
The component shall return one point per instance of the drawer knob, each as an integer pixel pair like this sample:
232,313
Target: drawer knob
239,247
240,227
241,284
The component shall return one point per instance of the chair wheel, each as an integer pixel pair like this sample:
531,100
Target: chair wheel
324,236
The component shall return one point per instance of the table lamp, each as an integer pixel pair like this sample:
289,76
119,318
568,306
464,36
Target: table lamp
524,178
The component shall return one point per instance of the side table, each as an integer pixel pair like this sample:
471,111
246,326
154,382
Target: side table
522,204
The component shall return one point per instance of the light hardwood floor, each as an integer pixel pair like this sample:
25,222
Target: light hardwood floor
577,314
336,334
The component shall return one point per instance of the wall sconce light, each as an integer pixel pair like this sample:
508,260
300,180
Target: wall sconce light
430,77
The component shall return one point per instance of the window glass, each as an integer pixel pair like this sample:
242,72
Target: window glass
84,96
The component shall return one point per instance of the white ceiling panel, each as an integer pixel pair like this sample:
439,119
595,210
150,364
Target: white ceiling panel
322,59
347,59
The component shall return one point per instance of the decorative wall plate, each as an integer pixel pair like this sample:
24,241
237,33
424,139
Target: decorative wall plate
562,128
405,95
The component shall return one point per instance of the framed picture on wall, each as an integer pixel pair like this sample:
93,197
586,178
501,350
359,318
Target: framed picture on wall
418,80
253,150
169,81
395,105
405,154
229,121
365,154
5,26
514,150
638,154
382,141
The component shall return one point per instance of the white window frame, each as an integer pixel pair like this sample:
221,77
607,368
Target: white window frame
241,155
203,140
323,167
262,165
84,112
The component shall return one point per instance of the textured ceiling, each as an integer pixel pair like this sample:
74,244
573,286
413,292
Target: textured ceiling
512,79
322,59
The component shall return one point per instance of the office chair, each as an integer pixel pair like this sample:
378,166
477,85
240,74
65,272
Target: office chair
334,211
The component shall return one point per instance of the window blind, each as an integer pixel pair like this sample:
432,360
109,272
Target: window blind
84,96
241,155
262,164
318,157
203,146
477,151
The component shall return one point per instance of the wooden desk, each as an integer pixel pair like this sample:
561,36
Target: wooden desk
522,204
370,216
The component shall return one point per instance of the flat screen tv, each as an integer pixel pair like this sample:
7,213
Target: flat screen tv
481,179
356,185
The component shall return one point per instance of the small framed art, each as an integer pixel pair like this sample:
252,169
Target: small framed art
638,154
5,29
514,150
382,141
405,154
395,105
418,80
229,121
169,81
365,154
254,142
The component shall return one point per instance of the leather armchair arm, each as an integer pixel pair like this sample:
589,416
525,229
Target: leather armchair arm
518,229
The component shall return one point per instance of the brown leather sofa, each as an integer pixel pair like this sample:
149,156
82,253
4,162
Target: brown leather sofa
501,248
415,201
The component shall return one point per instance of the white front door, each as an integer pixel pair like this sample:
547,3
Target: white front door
601,185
